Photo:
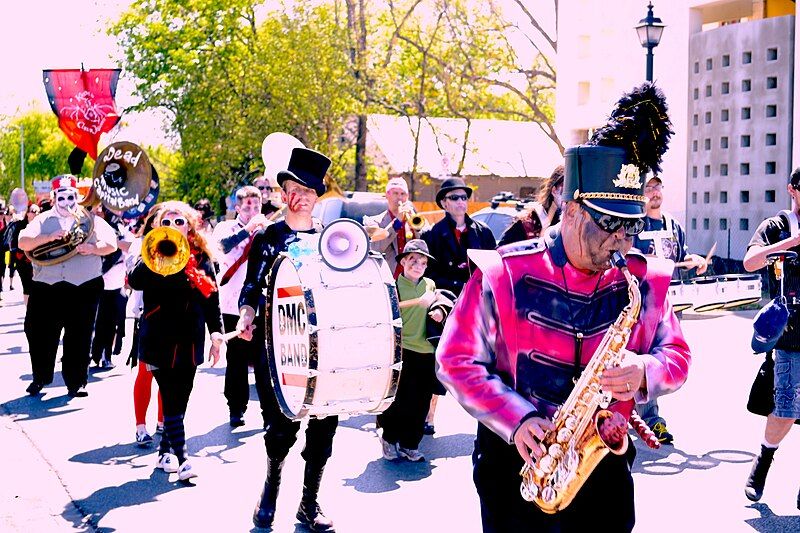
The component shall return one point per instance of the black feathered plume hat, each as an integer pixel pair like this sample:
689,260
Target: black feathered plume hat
609,172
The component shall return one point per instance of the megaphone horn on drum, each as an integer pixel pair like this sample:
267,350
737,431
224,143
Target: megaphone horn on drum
344,244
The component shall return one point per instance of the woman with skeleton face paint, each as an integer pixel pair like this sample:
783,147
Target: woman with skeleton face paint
64,296
177,309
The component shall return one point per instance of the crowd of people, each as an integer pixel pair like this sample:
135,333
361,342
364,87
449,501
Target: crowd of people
506,328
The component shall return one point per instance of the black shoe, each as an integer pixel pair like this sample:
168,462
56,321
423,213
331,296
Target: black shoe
236,421
428,429
264,513
77,393
754,487
662,433
34,388
309,513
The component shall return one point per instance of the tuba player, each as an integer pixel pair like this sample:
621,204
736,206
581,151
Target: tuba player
531,318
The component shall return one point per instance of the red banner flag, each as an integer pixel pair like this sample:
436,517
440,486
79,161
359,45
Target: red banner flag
83,101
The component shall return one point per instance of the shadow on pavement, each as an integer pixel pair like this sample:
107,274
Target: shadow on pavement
361,422
769,521
116,454
219,436
29,407
13,350
95,506
668,460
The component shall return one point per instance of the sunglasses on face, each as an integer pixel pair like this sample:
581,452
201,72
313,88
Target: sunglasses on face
612,224
456,197
177,221
67,198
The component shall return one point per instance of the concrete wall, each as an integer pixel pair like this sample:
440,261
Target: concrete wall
706,155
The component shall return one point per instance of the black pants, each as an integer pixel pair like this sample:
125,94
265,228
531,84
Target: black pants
25,271
110,312
404,421
605,501
175,386
52,308
240,355
281,432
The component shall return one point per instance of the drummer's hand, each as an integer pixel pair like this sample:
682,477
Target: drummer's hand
695,260
213,352
245,325
624,380
437,315
528,438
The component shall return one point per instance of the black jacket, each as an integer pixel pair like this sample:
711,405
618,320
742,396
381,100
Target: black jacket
451,270
174,317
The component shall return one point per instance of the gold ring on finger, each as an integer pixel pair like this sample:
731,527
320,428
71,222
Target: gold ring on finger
628,386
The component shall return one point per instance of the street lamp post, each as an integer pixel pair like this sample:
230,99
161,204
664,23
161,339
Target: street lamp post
649,30
22,156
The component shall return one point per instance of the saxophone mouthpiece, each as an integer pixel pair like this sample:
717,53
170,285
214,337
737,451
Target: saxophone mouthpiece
618,260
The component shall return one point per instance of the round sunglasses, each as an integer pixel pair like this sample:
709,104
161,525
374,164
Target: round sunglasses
177,221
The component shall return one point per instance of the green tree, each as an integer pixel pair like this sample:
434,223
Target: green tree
46,150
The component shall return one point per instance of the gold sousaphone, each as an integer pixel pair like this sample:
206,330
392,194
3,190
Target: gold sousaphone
165,250
121,179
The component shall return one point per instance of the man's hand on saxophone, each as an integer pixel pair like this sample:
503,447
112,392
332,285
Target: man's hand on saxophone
624,380
528,438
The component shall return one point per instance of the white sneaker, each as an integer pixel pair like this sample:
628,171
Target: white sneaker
389,450
412,455
168,463
185,471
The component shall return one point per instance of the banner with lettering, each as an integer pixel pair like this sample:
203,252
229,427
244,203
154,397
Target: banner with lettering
83,101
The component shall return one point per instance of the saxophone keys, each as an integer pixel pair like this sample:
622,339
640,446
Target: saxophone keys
555,451
548,494
571,423
547,464
564,435
527,492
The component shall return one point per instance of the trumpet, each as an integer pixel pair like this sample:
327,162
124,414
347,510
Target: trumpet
165,251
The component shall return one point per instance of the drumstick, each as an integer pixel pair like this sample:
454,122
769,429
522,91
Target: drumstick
685,264
231,335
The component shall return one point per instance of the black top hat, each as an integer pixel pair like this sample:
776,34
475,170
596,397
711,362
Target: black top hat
609,173
307,168
451,184
415,246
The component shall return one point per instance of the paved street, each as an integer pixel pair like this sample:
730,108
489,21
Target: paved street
68,464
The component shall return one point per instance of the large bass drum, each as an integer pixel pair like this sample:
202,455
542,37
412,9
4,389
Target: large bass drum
333,337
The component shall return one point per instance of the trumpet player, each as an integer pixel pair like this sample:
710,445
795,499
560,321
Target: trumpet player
533,315
395,220
64,296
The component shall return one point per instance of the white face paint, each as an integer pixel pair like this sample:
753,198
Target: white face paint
65,201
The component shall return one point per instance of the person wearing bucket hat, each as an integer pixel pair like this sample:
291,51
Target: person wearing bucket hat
403,422
301,183
534,314
779,233
74,284
450,238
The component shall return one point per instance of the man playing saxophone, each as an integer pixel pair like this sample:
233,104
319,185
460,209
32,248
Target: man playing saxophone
533,316
64,294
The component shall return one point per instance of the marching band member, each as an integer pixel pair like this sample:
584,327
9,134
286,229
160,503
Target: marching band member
271,194
177,309
24,213
302,183
395,221
533,315
234,238
64,295
545,212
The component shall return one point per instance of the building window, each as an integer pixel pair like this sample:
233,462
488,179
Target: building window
744,169
769,196
706,197
746,86
747,58
694,145
707,144
708,90
694,172
745,113
723,197
772,82
726,87
744,224
694,119
723,115
726,60
745,141
583,92
770,167
694,197
723,224
696,67
723,143
708,117
772,139
772,54
705,223
723,169
772,111
744,197
694,223
696,93
707,171
709,63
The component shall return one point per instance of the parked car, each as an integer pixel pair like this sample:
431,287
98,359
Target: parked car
355,206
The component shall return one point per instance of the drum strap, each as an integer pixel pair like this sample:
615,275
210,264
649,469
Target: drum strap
791,218
226,277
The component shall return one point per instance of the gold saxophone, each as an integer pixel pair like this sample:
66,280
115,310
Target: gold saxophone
574,448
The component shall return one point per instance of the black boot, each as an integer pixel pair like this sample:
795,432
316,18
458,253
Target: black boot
758,475
309,514
264,513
